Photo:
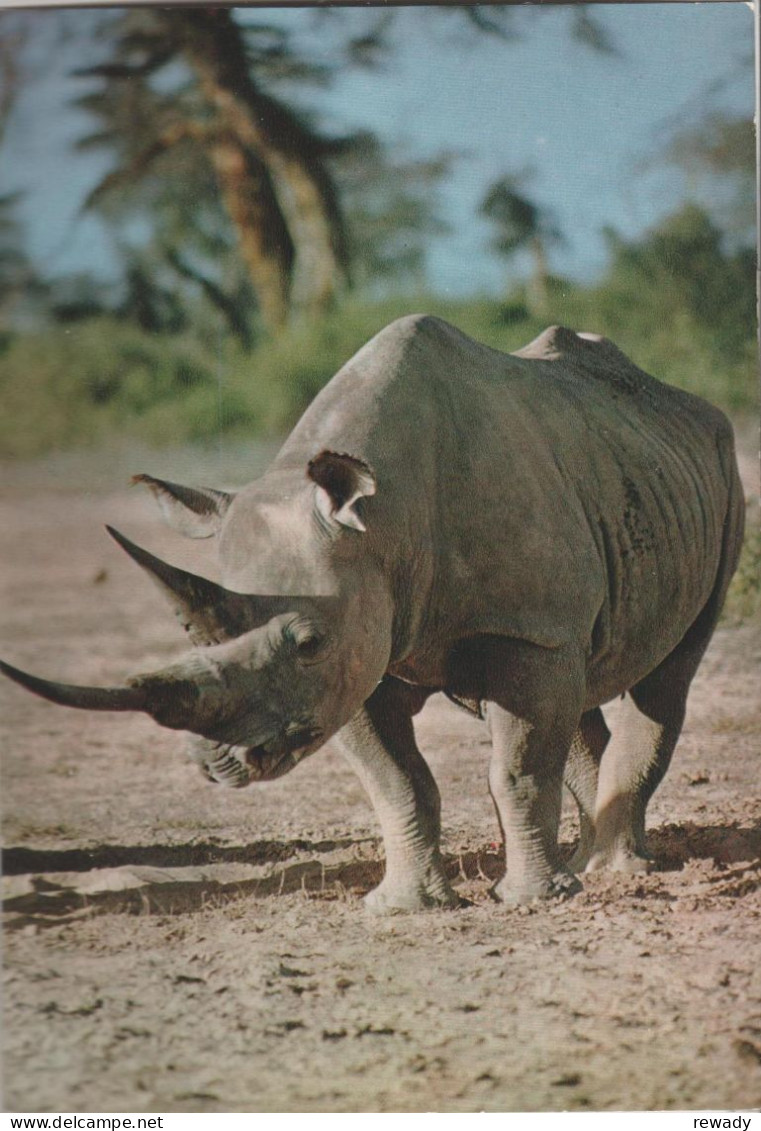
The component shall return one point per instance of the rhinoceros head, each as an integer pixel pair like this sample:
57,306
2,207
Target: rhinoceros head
288,648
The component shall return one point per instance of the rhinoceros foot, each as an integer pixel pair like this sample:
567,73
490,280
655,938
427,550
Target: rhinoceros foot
620,860
560,886
393,898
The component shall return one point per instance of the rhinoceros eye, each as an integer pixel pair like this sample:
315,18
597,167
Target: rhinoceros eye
310,648
305,638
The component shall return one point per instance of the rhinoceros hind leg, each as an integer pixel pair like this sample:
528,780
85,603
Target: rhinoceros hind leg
644,736
634,764
581,777
379,744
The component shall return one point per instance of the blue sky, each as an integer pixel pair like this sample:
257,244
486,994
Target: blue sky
585,123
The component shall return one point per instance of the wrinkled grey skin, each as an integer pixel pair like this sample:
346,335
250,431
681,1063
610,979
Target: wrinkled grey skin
534,534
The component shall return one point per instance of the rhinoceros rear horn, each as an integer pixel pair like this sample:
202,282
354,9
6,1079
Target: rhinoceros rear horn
208,612
87,698
196,512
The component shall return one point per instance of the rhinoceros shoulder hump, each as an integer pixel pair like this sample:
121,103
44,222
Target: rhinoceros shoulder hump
595,355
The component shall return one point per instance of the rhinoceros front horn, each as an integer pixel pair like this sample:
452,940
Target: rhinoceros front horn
88,698
171,697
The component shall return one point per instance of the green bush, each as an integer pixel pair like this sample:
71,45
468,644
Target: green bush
744,598
74,386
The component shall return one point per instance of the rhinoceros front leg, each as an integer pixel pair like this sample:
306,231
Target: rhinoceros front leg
379,744
533,713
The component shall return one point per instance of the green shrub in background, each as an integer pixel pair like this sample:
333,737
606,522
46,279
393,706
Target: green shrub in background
682,306
81,386
69,387
73,386
49,390
744,597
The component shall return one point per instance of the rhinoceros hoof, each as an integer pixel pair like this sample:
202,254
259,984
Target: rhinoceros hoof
620,860
562,885
395,899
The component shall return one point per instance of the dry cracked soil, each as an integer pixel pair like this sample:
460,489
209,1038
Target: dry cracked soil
172,946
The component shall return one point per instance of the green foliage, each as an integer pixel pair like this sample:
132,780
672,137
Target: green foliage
718,155
744,598
675,301
683,261
67,387
681,306
79,385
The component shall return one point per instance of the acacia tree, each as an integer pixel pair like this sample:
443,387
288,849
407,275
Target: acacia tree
194,88
19,278
288,155
269,167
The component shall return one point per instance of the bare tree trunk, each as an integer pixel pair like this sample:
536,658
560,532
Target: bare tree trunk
213,45
538,289
265,244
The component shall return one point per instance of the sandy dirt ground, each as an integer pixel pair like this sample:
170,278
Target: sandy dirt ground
173,946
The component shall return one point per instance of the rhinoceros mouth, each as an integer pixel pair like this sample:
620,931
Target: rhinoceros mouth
272,760
265,765
238,766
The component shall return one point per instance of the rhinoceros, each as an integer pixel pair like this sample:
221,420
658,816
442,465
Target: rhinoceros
533,534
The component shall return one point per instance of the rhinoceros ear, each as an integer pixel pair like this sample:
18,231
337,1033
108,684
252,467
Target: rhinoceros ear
196,512
343,481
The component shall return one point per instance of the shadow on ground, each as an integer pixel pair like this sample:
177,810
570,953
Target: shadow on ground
23,861
59,885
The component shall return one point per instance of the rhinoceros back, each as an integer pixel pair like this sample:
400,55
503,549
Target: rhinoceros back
659,478
558,494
